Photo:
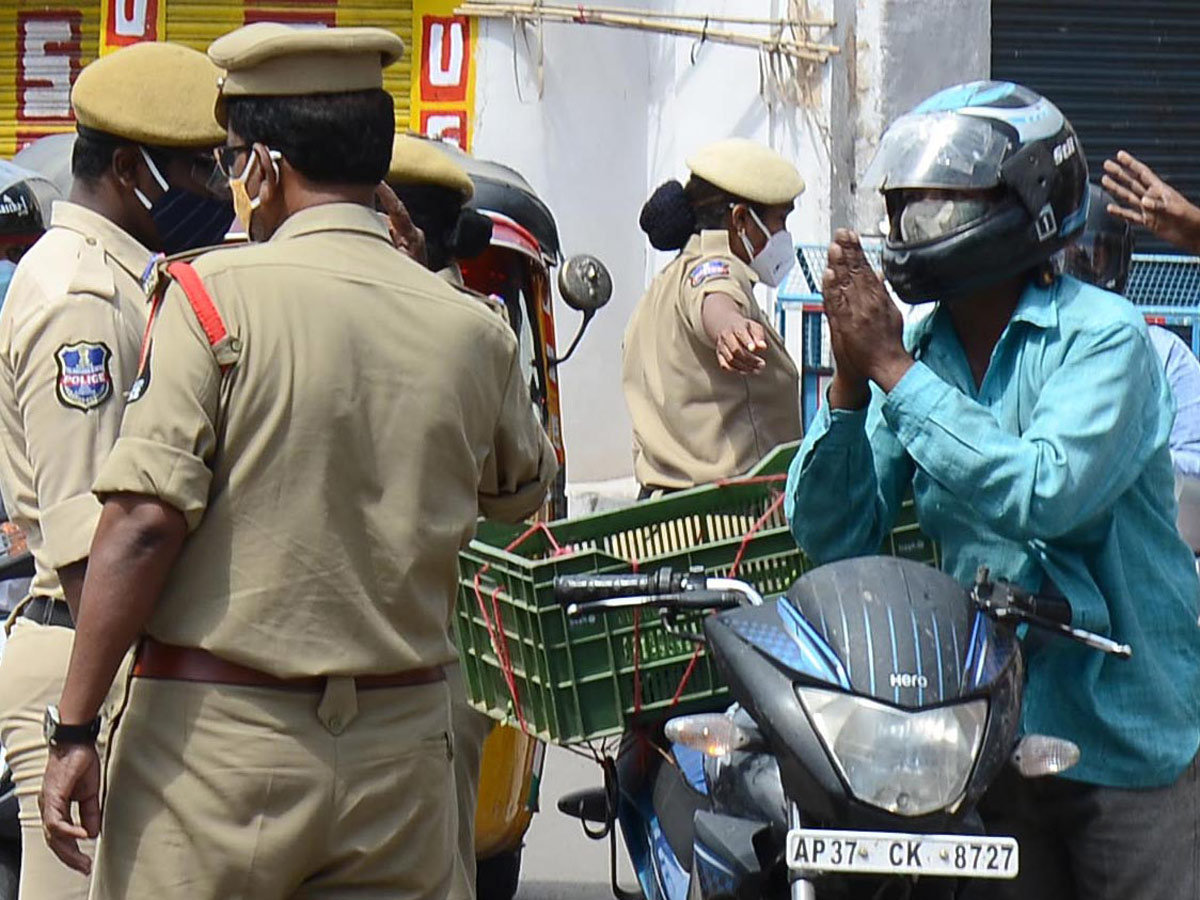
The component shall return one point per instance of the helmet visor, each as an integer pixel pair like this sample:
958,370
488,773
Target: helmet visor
929,218
937,150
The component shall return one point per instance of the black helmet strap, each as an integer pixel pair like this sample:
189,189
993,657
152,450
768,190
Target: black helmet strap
1030,174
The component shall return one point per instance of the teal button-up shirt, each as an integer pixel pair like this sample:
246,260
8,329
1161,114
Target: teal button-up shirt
1057,465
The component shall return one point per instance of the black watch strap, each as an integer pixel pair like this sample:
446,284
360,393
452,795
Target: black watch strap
58,734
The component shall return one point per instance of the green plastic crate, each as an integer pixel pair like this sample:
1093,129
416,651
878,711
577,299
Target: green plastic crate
583,679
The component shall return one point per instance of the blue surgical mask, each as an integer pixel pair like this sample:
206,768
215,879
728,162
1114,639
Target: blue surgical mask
7,267
185,220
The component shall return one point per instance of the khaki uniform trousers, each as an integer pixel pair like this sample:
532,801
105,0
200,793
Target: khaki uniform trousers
32,673
471,729
226,792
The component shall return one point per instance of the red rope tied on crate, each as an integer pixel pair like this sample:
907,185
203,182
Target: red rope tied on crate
737,560
495,625
755,529
495,622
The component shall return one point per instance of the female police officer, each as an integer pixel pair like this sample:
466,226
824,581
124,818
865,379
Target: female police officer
708,382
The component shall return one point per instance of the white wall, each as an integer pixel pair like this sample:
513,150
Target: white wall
620,111
582,146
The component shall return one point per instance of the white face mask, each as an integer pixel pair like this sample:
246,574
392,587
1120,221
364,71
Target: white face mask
162,182
772,263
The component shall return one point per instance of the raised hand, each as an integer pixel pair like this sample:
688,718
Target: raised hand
405,234
1145,199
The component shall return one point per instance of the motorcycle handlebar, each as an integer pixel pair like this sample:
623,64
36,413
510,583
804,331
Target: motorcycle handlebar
1051,609
579,589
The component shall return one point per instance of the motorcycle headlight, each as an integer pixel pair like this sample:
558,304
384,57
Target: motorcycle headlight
908,763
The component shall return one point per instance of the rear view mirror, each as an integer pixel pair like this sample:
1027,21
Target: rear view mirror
585,285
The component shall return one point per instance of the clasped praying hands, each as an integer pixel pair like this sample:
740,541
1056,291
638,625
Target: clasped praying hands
865,327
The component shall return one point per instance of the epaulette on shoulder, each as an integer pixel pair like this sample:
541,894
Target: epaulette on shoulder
491,301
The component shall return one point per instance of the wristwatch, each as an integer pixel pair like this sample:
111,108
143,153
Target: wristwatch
58,734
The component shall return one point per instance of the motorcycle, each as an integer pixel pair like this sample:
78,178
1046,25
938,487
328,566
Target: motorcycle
874,705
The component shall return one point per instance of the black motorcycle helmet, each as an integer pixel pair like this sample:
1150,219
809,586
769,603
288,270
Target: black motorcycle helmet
25,199
982,182
1102,253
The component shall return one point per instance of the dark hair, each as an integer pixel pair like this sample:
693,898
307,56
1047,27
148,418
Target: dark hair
451,231
674,212
92,154
343,138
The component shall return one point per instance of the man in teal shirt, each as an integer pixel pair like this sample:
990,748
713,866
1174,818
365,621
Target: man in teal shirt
1029,417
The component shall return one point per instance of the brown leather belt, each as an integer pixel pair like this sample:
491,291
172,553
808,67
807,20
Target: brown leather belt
171,663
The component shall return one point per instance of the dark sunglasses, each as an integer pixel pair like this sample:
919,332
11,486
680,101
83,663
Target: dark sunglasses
227,157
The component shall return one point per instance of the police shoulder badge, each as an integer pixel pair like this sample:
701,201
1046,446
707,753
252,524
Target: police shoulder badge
708,270
84,379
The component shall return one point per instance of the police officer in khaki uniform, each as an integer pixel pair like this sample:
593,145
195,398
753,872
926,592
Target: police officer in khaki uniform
319,424
70,333
709,384
434,189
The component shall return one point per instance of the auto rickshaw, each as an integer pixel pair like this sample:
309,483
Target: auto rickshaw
516,269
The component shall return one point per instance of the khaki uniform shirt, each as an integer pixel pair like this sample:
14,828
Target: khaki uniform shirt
367,414
693,422
70,332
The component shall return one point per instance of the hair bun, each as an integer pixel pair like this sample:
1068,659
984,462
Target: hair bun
667,217
470,236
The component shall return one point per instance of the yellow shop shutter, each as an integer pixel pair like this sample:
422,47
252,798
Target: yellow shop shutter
198,23
43,45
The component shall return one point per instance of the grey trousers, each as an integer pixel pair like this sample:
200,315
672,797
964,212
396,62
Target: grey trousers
1083,842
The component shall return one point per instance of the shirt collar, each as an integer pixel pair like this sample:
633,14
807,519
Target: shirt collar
333,217
129,253
1039,304
453,274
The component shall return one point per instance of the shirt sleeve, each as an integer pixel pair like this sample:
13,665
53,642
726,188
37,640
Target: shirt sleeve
168,434
1183,375
846,483
68,384
704,278
1089,437
518,473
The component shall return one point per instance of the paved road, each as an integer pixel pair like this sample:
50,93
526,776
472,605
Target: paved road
560,863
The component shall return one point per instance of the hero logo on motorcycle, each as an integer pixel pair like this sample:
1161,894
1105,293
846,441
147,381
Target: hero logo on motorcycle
908,680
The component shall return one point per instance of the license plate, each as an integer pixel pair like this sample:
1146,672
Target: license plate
884,853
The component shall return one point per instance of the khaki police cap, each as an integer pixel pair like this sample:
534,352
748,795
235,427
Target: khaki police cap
748,170
154,93
268,59
418,160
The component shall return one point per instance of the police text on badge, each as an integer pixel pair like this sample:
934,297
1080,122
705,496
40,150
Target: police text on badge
84,379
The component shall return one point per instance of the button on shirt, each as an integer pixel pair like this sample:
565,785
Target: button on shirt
1058,466
331,454
693,422
70,332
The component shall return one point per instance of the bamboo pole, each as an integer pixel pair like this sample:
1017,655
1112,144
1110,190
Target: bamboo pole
683,17
582,15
